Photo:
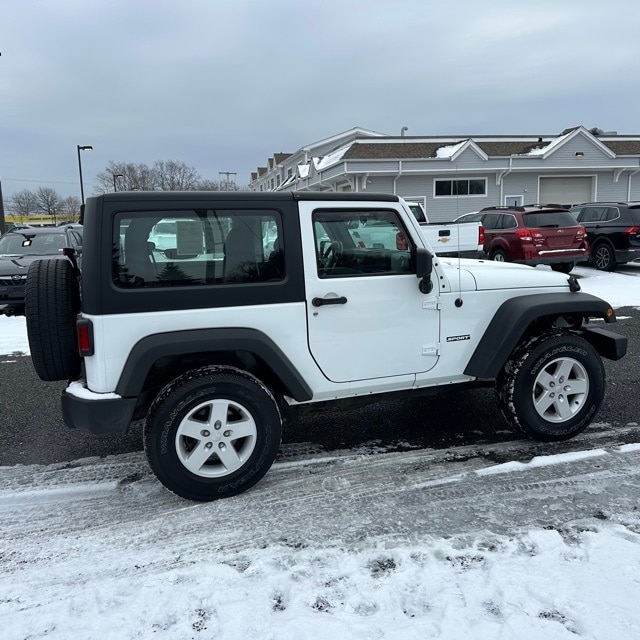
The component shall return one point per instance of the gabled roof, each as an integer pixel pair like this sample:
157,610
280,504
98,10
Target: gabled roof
453,152
357,131
566,136
262,171
280,157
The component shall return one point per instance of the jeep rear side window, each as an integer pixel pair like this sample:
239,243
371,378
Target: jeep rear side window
361,243
195,248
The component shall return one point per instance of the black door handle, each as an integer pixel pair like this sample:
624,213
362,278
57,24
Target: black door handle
320,302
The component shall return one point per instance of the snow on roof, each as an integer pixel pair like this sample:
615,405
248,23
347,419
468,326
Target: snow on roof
331,158
303,170
450,150
540,151
286,183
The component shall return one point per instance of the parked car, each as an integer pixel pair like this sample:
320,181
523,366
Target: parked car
19,248
532,235
613,231
12,226
449,239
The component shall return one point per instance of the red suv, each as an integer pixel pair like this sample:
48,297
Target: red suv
532,235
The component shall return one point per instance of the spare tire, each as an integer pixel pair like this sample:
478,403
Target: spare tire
52,302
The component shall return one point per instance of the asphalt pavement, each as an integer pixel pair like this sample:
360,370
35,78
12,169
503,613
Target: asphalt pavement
32,430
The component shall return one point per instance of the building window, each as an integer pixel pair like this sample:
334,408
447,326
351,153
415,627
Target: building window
278,181
289,172
460,187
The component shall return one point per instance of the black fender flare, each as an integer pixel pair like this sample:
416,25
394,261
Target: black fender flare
515,315
174,343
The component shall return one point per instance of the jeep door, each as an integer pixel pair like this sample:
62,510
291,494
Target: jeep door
366,316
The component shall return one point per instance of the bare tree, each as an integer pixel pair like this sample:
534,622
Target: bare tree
125,176
175,176
207,185
47,200
23,203
71,207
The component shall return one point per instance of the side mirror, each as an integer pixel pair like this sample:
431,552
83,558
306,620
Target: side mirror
424,267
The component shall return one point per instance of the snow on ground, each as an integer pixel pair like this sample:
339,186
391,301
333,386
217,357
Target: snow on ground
418,544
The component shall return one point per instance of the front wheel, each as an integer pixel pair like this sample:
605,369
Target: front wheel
212,433
552,387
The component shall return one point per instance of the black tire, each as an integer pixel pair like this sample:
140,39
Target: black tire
52,302
499,256
552,386
603,257
182,427
563,267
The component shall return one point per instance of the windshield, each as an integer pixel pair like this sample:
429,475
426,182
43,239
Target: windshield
31,244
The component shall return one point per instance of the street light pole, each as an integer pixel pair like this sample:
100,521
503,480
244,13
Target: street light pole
84,147
116,175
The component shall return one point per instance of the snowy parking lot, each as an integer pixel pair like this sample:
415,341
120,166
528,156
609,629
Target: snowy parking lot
463,542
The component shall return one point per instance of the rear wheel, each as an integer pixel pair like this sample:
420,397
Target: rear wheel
212,433
603,257
499,255
563,267
52,302
552,386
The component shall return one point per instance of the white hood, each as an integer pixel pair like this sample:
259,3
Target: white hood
487,274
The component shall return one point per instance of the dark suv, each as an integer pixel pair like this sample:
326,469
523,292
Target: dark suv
19,248
613,230
532,235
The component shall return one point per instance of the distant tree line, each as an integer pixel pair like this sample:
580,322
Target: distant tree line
169,175
43,201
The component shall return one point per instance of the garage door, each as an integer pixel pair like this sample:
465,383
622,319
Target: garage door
565,191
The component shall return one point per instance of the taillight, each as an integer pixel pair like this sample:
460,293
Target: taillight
632,230
401,241
84,330
480,234
525,234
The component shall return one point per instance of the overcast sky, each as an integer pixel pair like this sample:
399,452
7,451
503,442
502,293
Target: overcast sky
222,85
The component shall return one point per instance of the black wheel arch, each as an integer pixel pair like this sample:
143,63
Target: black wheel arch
178,351
521,316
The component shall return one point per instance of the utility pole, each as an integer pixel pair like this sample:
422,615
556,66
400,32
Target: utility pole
227,173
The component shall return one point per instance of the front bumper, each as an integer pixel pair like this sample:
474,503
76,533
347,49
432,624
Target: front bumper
11,294
112,415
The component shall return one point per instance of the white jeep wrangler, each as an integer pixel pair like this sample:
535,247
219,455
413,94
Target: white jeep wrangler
257,304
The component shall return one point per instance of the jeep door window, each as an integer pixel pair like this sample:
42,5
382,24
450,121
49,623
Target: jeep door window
359,243
197,247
